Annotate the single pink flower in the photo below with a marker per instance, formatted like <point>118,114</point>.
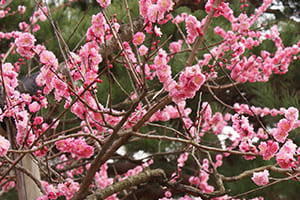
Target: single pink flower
<point>48,58</point>
<point>138,38</point>
<point>261,178</point>
<point>34,107</point>
<point>25,40</point>
<point>143,50</point>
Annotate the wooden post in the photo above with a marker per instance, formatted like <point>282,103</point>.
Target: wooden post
<point>27,189</point>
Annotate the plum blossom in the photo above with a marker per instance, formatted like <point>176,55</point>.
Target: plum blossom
<point>165,5</point>
<point>190,81</point>
<point>4,146</point>
<point>138,38</point>
<point>97,30</point>
<point>144,4</point>
<point>154,14</point>
<point>285,156</point>
<point>193,27</point>
<point>25,40</point>
<point>281,132</point>
<point>67,189</point>
<point>104,3</point>
<point>143,50</point>
<point>21,9</point>
<point>157,31</point>
<point>24,44</point>
<point>49,59</point>
<point>268,150</point>
<point>261,178</point>
<point>175,46</point>
<point>2,13</point>
<point>217,123</point>
<point>34,107</point>
<point>182,158</point>
<point>292,114</point>
<point>76,146</point>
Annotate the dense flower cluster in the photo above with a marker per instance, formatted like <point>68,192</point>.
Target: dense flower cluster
<point>66,189</point>
<point>76,146</point>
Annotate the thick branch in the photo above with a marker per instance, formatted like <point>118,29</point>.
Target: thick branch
<point>250,172</point>
<point>156,175</point>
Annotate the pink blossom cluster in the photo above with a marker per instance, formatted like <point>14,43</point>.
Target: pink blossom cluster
<point>9,76</point>
<point>246,145</point>
<point>97,30</point>
<point>190,81</point>
<point>223,9</point>
<point>49,79</point>
<point>171,112</point>
<point>259,68</point>
<point>268,149</point>
<point>25,44</point>
<point>261,178</point>
<point>181,160</point>
<point>285,125</point>
<point>21,9</point>
<point>66,189</point>
<point>241,38</point>
<point>202,179</point>
<point>163,71</point>
<point>6,184</point>
<point>138,169</point>
<point>17,105</point>
<point>149,71</point>
<point>260,10</point>
<point>219,160</point>
<point>193,27</point>
<point>245,109</point>
<point>103,180</point>
<point>94,118</point>
<point>175,46</point>
<point>155,10</point>
<point>77,147</point>
<point>143,50</point>
<point>89,58</point>
<point>8,11</point>
<point>241,125</point>
<point>290,122</point>
<point>4,146</point>
<point>23,129</point>
<point>39,15</point>
<point>285,156</point>
<point>129,53</point>
<point>215,122</point>
<point>102,177</point>
<point>180,163</point>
